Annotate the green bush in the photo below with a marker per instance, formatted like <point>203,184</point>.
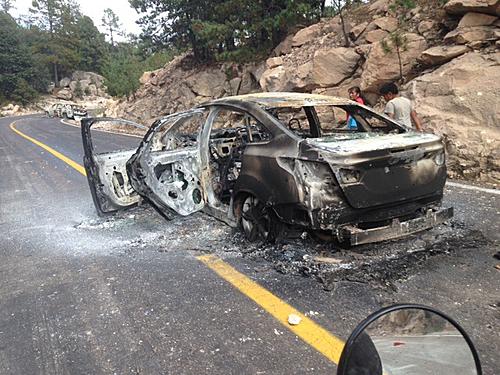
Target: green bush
<point>78,90</point>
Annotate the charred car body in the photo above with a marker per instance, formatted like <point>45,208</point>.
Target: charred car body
<point>274,160</point>
<point>65,110</point>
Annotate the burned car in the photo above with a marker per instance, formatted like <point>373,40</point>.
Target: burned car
<point>66,110</point>
<point>269,162</point>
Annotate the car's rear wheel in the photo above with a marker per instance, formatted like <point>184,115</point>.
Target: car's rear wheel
<point>257,221</point>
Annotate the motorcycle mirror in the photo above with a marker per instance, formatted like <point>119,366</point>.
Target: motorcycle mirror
<point>410,340</point>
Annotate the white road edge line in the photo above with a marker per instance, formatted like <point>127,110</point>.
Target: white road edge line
<point>101,130</point>
<point>471,187</point>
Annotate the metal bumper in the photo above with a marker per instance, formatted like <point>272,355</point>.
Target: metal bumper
<point>396,229</point>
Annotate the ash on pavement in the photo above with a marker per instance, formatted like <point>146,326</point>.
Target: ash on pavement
<point>379,264</point>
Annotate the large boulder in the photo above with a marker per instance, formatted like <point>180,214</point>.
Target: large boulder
<point>94,78</point>
<point>333,65</point>
<point>389,24</point>
<point>84,83</point>
<point>382,66</point>
<point>477,19</point>
<point>379,6</point>
<point>285,47</point>
<point>306,35</point>
<point>460,101</point>
<point>480,6</point>
<point>274,79</point>
<point>283,78</point>
<point>64,82</point>
<point>65,94</point>
<point>248,83</point>
<point>425,26</point>
<point>92,90</point>
<point>302,79</point>
<point>375,35</point>
<point>146,77</point>
<point>50,87</point>
<point>72,85</point>
<point>357,30</point>
<point>273,62</point>
<point>208,83</point>
<point>464,35</point>
<point>440,54</point>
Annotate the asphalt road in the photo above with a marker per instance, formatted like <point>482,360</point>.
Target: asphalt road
<point>84,295</point>
<point>425,354</point>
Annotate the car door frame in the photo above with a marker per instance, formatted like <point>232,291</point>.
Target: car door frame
<point>184,165</point>
<point>105,201</point>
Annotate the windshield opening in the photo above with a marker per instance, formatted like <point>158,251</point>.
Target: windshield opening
<point>324,120</point>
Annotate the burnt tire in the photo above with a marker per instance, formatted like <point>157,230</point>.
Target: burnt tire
<point>257,221</point>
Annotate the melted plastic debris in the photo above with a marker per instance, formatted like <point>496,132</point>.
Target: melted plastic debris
<point>379,264</point>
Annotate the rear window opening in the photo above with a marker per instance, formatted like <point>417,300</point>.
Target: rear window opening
<point>325,120</point>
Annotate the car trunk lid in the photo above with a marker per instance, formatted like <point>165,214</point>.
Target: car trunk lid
<point>377,169</point>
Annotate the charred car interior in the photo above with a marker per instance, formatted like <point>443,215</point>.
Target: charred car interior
<point>275,162</point>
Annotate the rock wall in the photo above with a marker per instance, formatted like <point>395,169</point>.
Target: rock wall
<point>461,101</point>
<point>91,85</point>
<point>450,65</point>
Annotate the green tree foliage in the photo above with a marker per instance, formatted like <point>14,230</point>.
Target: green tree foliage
<point>58,19</point>
<point>92,47</point>
<point>112,24</point>
<point>19,72</point>
<point>397,41</point>
<point>78,89</point>
<point>126,64</point>
<point>223,29</point>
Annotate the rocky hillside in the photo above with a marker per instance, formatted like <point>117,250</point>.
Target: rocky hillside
<point>80,85</point>
<point>450,64</point>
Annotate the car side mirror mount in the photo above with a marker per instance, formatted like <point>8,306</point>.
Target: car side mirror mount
<point>411,340</point>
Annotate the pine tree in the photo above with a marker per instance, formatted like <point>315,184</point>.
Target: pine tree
<point>112,24</point>
<point>223,29</point>
<point>19,72</point>
<point>91,45</point>
<point>6,5</point>
<point>51,16</point>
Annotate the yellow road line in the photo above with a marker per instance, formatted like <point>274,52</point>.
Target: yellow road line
<point>57,154</point>
<point>309,331</point>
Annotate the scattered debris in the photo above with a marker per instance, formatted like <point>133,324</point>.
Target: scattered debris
<point>329,260</point>
<point>294,319</point>
<point>380,265</point>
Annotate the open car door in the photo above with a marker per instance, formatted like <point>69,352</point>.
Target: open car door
<point>166,168</point>
<point>106,171</point>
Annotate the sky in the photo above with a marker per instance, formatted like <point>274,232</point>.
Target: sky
<point>95,9</point>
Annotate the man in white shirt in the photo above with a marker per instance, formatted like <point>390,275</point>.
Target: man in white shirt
<point>398,107</point>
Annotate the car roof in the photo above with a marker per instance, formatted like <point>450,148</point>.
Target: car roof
<point>283,99</point>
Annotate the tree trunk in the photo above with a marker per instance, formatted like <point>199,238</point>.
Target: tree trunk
<point>400,64</point>
<point>347,42</point>
<point>111,36</point>
<point>56,75</point>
